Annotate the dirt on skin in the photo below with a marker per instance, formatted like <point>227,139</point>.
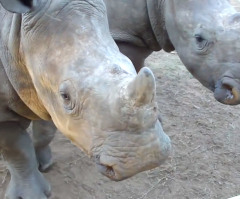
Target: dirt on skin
<point>205,162</point>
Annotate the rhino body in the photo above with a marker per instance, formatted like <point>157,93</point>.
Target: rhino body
<point>58,62</point>
<point>205,34</point>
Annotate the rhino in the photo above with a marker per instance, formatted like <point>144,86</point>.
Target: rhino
<point>205,35</point>
<point>59,63</point>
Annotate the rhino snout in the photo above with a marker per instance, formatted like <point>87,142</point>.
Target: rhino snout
<point>137,153</point>
<point>227,91</point>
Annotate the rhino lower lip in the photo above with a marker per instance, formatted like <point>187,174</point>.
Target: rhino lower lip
<point>107,171</point>
<point>230,95</point>
<point>227,95</point>
<point>232,92</point>
<point>227,90</point>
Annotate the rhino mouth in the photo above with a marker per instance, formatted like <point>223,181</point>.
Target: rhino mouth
<point>227,91</point>
<point>106,170</point>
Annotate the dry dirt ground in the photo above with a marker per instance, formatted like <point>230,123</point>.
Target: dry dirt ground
<point>205,162</point>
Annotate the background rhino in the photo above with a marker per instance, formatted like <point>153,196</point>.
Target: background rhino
<point>58,61</point>
<point>205,35</point>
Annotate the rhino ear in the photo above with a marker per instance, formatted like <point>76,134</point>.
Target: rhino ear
<point>234,19</point>
<point>18,6</point>
<point>143,88</point>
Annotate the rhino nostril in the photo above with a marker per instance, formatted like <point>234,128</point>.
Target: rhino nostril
<point>226,86</point>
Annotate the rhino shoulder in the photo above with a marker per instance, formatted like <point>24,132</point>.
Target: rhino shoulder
<point>11,105</point>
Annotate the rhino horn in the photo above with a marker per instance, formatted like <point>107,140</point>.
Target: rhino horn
<point>143,87</point>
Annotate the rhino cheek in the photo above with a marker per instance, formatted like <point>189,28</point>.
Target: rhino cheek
<point>77,131</point>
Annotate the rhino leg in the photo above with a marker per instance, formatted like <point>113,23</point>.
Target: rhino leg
<point>26,182</point>
<point>43,133</point>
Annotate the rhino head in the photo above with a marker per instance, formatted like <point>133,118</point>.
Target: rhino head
<point>206,35</point>
<point>88,88</point>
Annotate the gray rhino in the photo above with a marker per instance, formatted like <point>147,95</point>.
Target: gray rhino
<point>59,62</point>
<point>205,34</point>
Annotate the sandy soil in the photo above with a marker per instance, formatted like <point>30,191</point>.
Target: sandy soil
<point>205,162</point>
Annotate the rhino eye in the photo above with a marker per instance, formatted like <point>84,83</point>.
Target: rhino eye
<point>199,38</point>
<point>68,103</point>
<point>65,96</point>
<point>201,42</point>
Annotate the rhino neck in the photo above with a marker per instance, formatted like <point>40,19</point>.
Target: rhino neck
<point>156,16</point>
<point>17,72</point>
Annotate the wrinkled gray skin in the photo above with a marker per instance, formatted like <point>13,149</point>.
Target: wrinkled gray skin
<point>205,34</point>
<point>58,62</point>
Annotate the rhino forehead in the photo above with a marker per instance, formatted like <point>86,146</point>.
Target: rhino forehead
<point>60,10</point>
